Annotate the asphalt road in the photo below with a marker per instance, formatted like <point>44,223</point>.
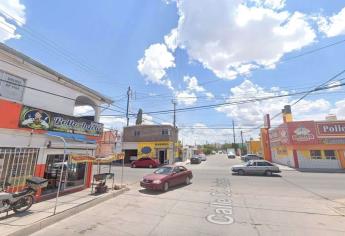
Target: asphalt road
<point>219,203</point>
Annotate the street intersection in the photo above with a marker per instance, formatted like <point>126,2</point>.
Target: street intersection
<point>219,203</point>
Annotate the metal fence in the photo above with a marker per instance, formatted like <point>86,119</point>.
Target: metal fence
<point>16,165</point>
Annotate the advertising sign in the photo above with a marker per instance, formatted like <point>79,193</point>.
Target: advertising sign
<point>11,87</point>
<point>333,129</point>
<point>34,118</point>
<point>303,132</point>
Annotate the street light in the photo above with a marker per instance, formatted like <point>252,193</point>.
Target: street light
<point>62,169</point>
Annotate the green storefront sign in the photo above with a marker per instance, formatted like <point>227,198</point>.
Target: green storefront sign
<point>35,118</point>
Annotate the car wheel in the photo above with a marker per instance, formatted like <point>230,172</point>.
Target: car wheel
<point>187,181</point>
<point>166,186</point>
<point>134,166</point>
<point>241,172</point>
<point>268,173</point>
<point>150,166</point>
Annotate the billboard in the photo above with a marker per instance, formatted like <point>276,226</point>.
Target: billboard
<point>39,119</point>
<point>331,129</point>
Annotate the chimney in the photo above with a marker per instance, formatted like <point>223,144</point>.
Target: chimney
<point>287,116</point>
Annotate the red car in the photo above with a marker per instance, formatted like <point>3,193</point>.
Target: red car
<point>145,162</point>
<point>167,176</point>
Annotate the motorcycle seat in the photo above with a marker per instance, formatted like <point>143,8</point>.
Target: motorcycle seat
<point>21,193</point>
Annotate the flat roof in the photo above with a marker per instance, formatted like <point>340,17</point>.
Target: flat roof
<point>53,72</point>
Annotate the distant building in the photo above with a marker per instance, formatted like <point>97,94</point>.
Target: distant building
<point>308,144</point>
<point>254,147</point>
<point>108,143</point>
<point>154,141</point>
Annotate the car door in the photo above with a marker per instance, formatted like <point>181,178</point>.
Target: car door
<point>261,167</point>
<point>175,177</point>
<point>182,175</point>
<point>251,167</point>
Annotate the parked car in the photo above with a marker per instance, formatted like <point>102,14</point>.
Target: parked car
<point>249,157</point>
<point>167,176</point>
<point>203,157</point>
<point>256,167</point>
<point>146,162</point>
<point>195,160</point>
<point>231,155</point>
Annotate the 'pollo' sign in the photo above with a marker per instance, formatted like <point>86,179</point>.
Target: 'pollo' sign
<point>335,128</point>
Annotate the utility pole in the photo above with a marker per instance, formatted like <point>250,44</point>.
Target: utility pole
<point>242,141</point>
<point>127,111</point>
<point>233,131</point>
<point>127,116</point>
<point>175,131</point>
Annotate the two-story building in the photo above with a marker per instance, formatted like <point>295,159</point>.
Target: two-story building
<point>37,125</point>
<point>154,141</point>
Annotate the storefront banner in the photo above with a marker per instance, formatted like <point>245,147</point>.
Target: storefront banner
<point>303,132</point>
<point>34,118</point>
<point>76,158</point>
<point>279,136</point>
<point>335,128</point>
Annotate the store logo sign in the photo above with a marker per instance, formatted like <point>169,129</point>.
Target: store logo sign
<point>146,150</point>
<point>302,134</point>
<point>331,128</point>
<point>35,119</point>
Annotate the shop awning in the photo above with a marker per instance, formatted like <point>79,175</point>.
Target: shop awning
<point>78,158</point>
<point>75,137</point>
<point>110,158</point>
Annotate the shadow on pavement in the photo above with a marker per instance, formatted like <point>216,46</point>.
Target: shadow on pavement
<point>159,192</point>
<point>12,214</point>
<point>254,175</point>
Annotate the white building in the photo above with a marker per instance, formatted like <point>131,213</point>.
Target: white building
<point>36,105</point>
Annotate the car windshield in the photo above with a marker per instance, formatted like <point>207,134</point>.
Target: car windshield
<point>164,170</point>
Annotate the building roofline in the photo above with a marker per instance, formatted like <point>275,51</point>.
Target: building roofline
<point>53,72</point>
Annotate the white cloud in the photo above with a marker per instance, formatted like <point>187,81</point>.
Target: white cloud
<point>192,84</point>
<point>83,111</point>
<point>200,133</point>
<point>186,97</point>
<point>339,109</point>
<point>209,95</point>
<point>154,64</point>
<point>233,36</point>
<point>251,114</point>
<point>334,25</point>
<point>189,95</point>
<point>274,4</point>
<point>113,122</point>
<point>147,119</point>
<point>171,40</point>
<point>12,14</point>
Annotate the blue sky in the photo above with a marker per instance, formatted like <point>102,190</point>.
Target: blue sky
<point>101,45</point>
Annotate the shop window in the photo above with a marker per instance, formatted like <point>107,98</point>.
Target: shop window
<point>16,165</point>
<point>315,154</point>
<point>137,133</point>
<point>330,155</point>
<point>73,174</point>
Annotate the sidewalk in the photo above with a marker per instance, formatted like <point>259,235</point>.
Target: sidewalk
<point>182,163</point>
<point>285,168</point>
<point>40,215</point>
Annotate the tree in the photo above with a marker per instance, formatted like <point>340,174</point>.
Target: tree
<point>139,120</point>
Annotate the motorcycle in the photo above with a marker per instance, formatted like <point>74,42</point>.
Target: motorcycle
<point>20,201</point>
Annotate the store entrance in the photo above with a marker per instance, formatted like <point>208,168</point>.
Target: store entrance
<point>162,156</point>
<point>72,176</point>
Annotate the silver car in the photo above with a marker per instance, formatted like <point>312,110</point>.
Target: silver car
<point>256,167</point>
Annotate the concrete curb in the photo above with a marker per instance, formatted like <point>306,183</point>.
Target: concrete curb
<point>30,229</point>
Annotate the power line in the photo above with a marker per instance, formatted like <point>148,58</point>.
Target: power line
<point>284,60</point>
<point>54,47</point>
<point>53,94</point>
